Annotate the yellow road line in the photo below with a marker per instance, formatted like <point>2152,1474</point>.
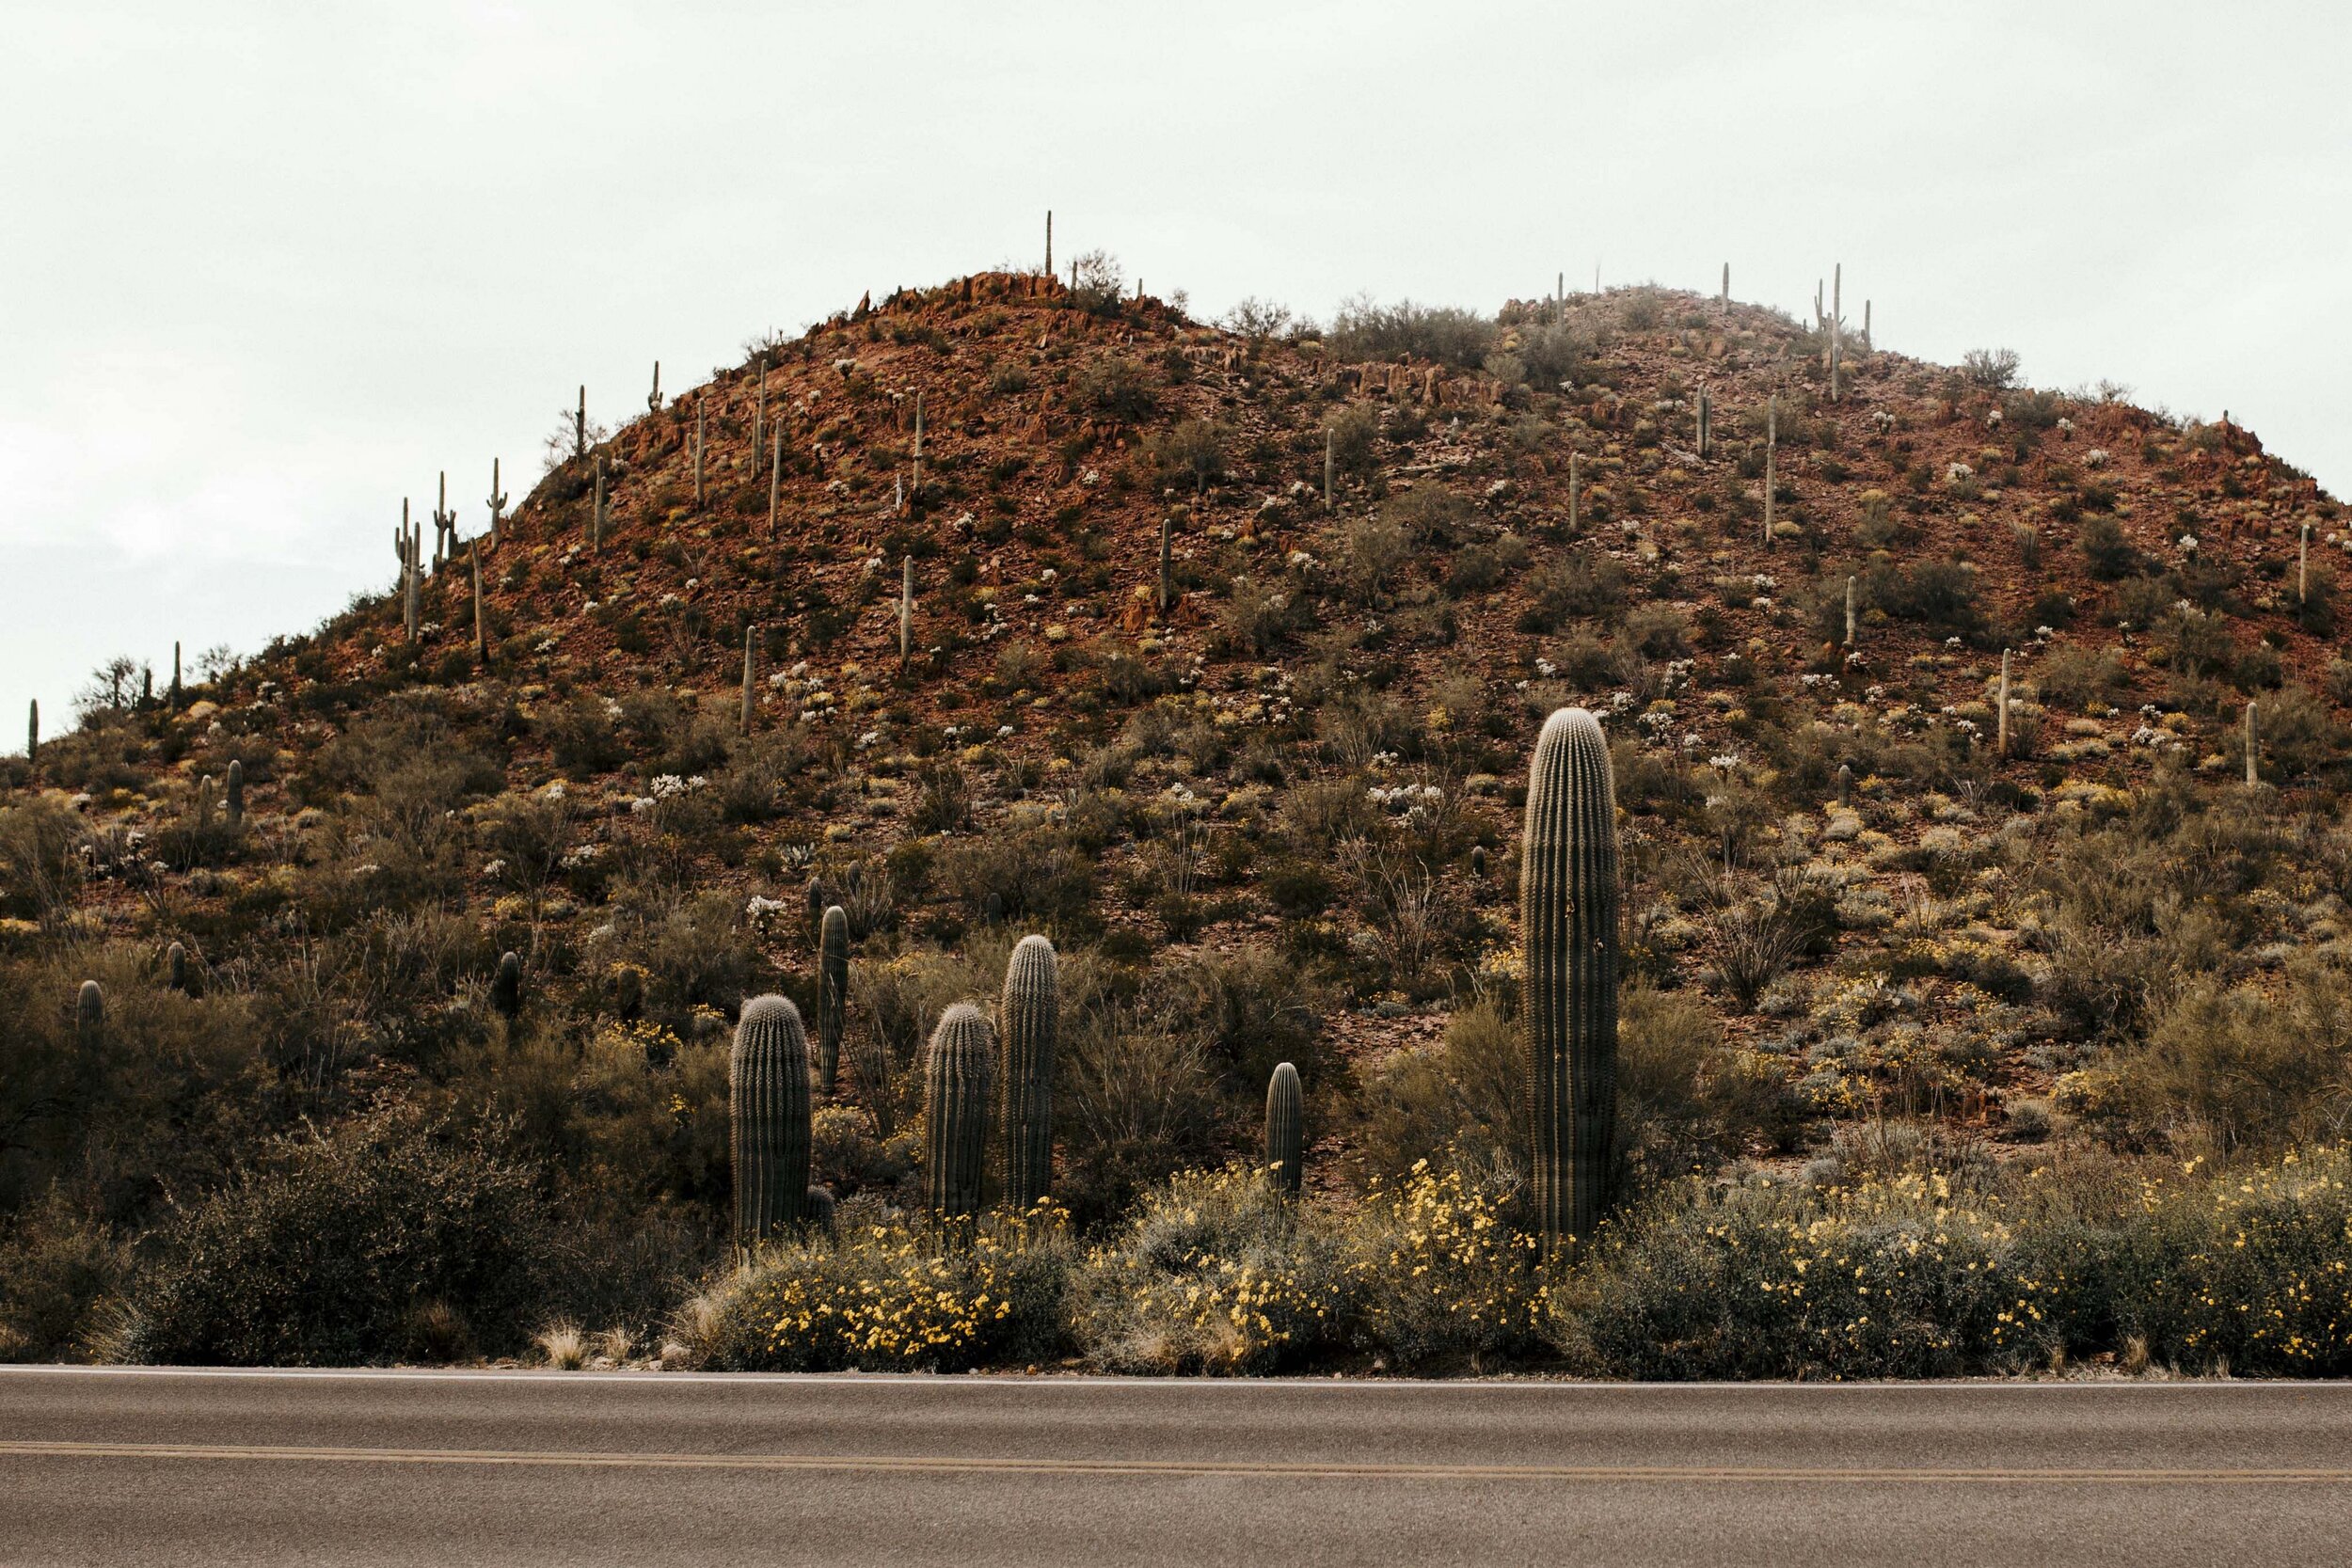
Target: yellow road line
<point>1183,1467</point>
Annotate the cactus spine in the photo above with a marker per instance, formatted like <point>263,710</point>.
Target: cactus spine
<point>906,610</point>
<point>768,1114</point>
<point>1029,1012</point>
<point>1285,1140</point>
<point>232,794</point>
<point>1850,622</point>
<point>1569,921</point>
<point>90,1016</point>
<point>496,501</point>
<point>956,1095</point>
<point>2001,747</point>
<point>833,993</point>
<point>1167,530</point>
<point>506,986</point>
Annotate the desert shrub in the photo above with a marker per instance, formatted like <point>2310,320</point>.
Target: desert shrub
<point>1255,619</point>
<point>1353,430</point>
<point>1765,1280</point>
<point>1939,594</point>
<point>1036,872</point>
<point>1460,1103</point>
<point>2072,680</point>
<point>1376,549</point>
<point>1216,1273</point>
<point>1251,1009</point>
<point>1136,1101</point>
<point>1580,584</point>
<point>1991,368</point>
<point>338,1250</point>
<point>1190,453</point>
<point>897,1296</point>
<point>2299,734</point>
<point>1114,389</point>
<point>1362,328</point>
<point>1429,514</point>
<point>56,1265</point>
<point>583,737</point>
<point>2226,1069</point>
<point>2111,555</point>
<point>1444,1272</point>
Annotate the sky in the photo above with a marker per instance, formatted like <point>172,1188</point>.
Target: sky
<point>266,269</point>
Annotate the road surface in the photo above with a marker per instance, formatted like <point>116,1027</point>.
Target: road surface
<point>121,1466</point>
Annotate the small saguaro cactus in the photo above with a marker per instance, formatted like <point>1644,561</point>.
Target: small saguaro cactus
<point>1049,242</point>
<point>596,511</point>
<point>580,424</point>
<point>90,1016</point>
<point>956,1097</point>
<point>204,803</point>
<point>1772,460</point>
<point>833,992</point>
<point>760,417</point>
<point>1575,460</point>
<point>775,481</point>
<point>906,610</point>
<point>767,1116</point>
<point>496,503</point>
<point>175,649</point>
<point>1568,922</point>
<point>2001,746</point>
<point>1029,1014</point>
<point>1704,410</point>
<point>653,401</point>
<point>232,793</point>
<point>2303,565</point>
<point>404,546</point>
<point>1849,621</point>
<point>1285,1136</point>
<point>32,734</point>
<point>481,615</point>
<point>700,404</point>
<point>1865,327</point>
<point>918,449</point>
<point>2252,750</point>
<point>1330,461</point>
<point>444,528</point>
<point>1724,300</point>
<point>751,670</point>
<point>506,986</point>
<point>1167,530</point>
<point>176,967</point>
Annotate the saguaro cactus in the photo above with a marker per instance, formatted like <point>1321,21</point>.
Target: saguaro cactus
<point>480,617</point>
<point>232,793</point>
<point>775,481</point>
<point>833,992</point>
<point>1029,1013</point>
<point>1703,430</point>
<point>90,1016</point>
<point>2303,565</point>
<point>956,1096</point>
<point>1772,461</point>
<point>506,986</point>
<point>405,545</point>
<point>2001,747</point>
<point>596,512</point>
<point>1285,1133</point>
<point>768,1117</point>
<point>1330,457</point>
<point>580,424</point>
<point>496,501</point>
<point>176,969</point>
<point>1724,300</point>
<point>1569,921</point>
<point>760,417</point>
<point>1167,530</point>
<point>698,449</point>
<point>1049,242</point>
<point>751,666</point>
<point>444,527</point>
<point>918,449</point>
<point>2252,777</point>
<point>32,734</point>
<point>653,401</point>
<point>1575,459</point>
<point>1849,621</point>
<point>906,610</point>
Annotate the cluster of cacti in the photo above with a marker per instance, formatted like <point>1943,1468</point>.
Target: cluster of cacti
<point>507,985</point>
<point>1029,1014</point>
<point>1285,1135</point>
<point>833,992</point>
<point>497,502</point>
<point>90,1016</point>
<point>768,1117</point>
<point>957,1090</point>
<point>1568,918</point>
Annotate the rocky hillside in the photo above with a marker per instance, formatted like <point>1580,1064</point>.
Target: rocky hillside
<point>1221,658</point>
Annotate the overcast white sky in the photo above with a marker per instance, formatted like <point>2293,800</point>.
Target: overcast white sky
<point>267,268</point>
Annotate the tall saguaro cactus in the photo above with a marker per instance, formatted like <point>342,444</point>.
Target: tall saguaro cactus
<point>917,494</point>
<point>1285,1131</point>
<point>580,424</point>
<point>906,610</point>
<point>1029,1013</point>
<point>596,513</point>
<point>497,503</point>
<point>1569,921</point>
<point>833,993</point>
<point>1705,409</point>
<point>32,734</point>
<point>444,528</point>
<point>1849,620</point>
<point>1723,300</point>
<point>760,417</point>
<point>956,1096</point>
<point>507,985</point>
<point>1772,461</point>
<point>407,545</point>
<point>767,1114</point>
<point>653,401</point>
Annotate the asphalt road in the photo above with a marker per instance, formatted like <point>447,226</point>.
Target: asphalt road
<point>184,1468</point>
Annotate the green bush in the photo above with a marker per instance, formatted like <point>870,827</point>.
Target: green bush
<point>347,1247</point>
